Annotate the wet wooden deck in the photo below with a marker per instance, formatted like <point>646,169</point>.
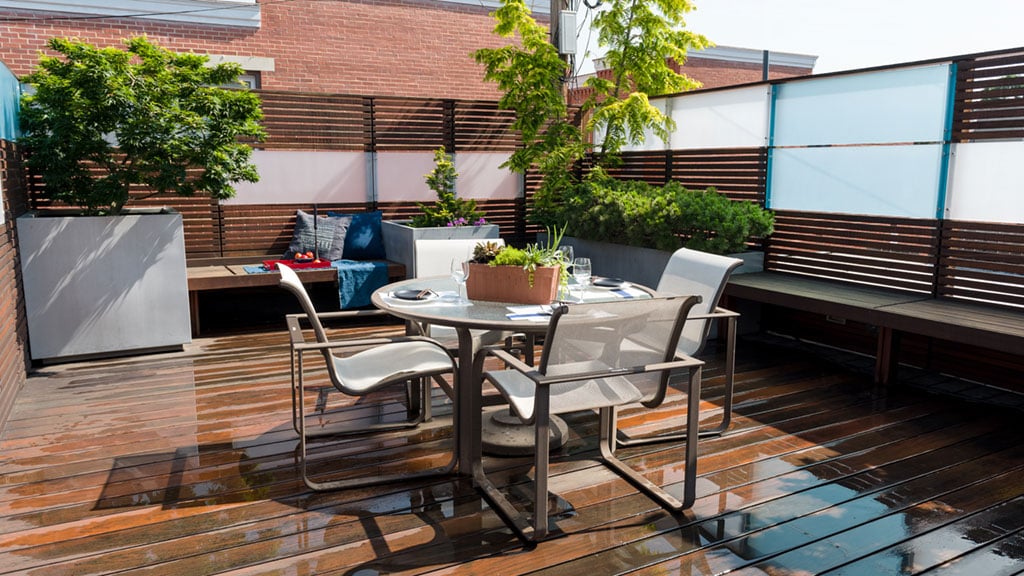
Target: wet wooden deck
<point>183,464</point>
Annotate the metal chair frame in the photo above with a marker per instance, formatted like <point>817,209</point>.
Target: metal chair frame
<point>541,420</point>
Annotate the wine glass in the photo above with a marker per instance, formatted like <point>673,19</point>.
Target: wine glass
<point>460,272</point>
<point>581,272</point>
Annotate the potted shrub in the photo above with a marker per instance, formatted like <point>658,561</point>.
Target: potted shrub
<point>630,228</point>
<point>98,124</point>
<point>448,218</point>
<point>529,275</point>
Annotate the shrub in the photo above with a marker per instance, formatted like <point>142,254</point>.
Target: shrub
<point>449,210</point>
<point>665,218</point>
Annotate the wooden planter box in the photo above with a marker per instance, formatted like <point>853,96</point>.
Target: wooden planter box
<point>512,284</point>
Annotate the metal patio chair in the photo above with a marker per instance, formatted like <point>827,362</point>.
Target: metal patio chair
<point>581,368</point>
<point>695,272</point>
<point>369,365</point>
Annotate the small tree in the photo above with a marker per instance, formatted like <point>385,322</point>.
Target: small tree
<point>103,120</point>
<point>640,37</point>
<point>449,210</point>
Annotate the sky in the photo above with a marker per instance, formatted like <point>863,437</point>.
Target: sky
<point>847,34</point>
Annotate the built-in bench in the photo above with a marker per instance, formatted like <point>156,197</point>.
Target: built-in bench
<point>891,312</point>
<point>210,274</point>
<point>247,235</point>
<point>951,281</point>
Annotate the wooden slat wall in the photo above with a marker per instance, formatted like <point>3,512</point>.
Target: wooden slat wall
<point>300,121</point>
<point>897,253</point>
<point>982,261</point>
<point>989,100</point>
<point>261,229</point>
<point>14,360</point>
<point>482,127</point>
<point>739,173</point>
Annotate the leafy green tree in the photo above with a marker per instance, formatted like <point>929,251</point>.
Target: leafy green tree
<point>639,36</point>
<point>102,120</point>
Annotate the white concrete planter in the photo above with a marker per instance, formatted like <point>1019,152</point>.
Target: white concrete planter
<point>641,265</point>
<point>400,239</point>
<point>104,285</point>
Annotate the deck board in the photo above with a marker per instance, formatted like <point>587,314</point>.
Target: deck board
<point>183,463</point>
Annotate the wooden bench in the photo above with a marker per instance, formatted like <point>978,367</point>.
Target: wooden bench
<point>207,274</point>
<point>892,312</point>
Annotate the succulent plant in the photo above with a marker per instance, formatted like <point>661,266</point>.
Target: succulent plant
<point>485,252</point>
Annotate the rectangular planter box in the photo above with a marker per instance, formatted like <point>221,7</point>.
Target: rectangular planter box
<point>641,265</point>
<point>400,239</point>
<point>512,284</point>
<point>104,285</point>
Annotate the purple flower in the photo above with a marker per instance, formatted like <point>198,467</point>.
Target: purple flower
<point>480,222</point>
<point>450,224</point>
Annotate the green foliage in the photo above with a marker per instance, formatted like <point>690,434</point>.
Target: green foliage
<point>640,36</point>
<point>530,258</point>
<point>449,210</point>
<point>665,218</point>
<point>103,120</point>
<point>530,75</point>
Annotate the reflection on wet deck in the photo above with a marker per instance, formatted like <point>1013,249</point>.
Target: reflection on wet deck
<point>184,464</point>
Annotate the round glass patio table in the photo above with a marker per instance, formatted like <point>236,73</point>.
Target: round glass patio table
<point>464,318</point>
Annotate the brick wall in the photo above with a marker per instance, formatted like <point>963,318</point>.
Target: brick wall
<point>371,47</point>
<point>13,327</point>
<point>715,73</point>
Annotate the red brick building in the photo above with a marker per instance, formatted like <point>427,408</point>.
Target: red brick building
<point>370,47</point>
<point>728,66</point>
<point>418,48</point>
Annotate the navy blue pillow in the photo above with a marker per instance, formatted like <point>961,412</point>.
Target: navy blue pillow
<point>363,240</point>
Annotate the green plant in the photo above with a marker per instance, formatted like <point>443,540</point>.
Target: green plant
<point>530,258</point>
<point>640,38</point>
<point>102,121</point>
<point>449,210</point>
<point>665,218</point>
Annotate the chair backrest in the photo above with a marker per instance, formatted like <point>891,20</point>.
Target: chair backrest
<point>619,334</point>
<point>434,257</point>
<point>290,282</point>
<point>695,272</point>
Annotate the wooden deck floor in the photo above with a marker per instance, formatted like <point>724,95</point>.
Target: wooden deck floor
<point>182,464</point>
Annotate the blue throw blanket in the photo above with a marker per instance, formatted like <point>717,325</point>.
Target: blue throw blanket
<point>356,280</point>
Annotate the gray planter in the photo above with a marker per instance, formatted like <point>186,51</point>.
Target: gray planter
<point>400,239</point>
<point>641,265</point>
<point>104,285</point>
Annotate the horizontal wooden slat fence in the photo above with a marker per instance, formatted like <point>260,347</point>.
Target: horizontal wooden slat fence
<point>982,261</point>
<point>989,98</point>
<point>898,253</point>
<point>739,173</point>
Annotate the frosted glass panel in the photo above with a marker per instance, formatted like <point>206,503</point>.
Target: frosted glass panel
<point>875,180</point>
<point>721,119</point>
<point>889,106</point>
<point>987,182</point>
<point>304,177</point>
<point>482,177</point>
<point>651,142</point>
<point>401,176</point>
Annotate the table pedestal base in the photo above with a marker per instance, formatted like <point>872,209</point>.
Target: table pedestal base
<point>503,434</point>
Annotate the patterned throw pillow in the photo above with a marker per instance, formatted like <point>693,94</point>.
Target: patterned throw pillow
<point>326,239</point>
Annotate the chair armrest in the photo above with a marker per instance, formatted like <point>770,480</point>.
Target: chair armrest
<point>681,361</point>
<point>340,314</point>
<point>363,343</point>
<point>719,312</point>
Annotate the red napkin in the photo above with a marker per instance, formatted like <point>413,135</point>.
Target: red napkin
<point>272,264</point>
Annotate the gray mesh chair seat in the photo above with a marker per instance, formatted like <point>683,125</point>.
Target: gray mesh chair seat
<point>358,367</point>
<point>582,367</point>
